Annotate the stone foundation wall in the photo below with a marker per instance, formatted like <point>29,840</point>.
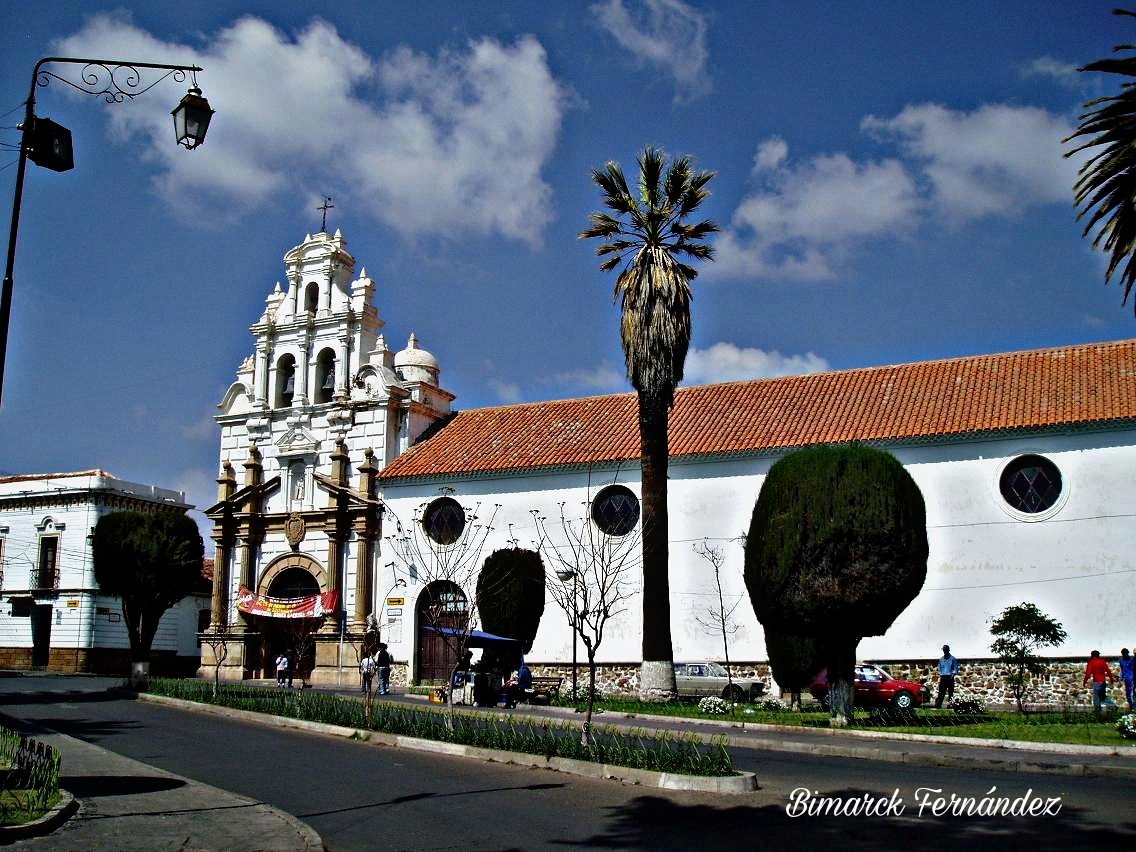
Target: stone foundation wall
<point>102,661</point>
<point>623,678</point>
<point>1060,686</point>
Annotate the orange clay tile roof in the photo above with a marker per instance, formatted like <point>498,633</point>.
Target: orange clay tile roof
<point>972,396</point>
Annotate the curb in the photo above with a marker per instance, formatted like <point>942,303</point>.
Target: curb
<point>64,809</point>
<point>743,782</point>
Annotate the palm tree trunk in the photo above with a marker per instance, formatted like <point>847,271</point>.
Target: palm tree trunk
<point>656,677</point>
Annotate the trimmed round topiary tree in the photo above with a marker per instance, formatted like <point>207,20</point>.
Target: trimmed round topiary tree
<point>794,661</point>
<point>837,549</point>
<point>510,594</point>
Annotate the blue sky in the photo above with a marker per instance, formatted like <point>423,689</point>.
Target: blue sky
<point>889,184</point>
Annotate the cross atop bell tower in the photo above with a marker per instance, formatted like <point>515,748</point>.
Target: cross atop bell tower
<point>327,205</point>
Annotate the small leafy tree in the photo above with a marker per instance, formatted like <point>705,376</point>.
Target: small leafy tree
<point>794,661</point>
<point>1020,631</point>
<point>837,549</point>
<point>510,594</point>
<point>151,561</point>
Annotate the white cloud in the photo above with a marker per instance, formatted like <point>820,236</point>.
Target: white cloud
<point>996,160</point>
<point>205,428</point>
<point>727,362</point>
<point>770,155</point>
<point>507,392</point>
<point>806,217</point>
<point>605,378</point>
<point>1063,73</point>
<point>289,105</point>
<point>666,34</point>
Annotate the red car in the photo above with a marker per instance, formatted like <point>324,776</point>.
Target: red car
<point>876,688</point>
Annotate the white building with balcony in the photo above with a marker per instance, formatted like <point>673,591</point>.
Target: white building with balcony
<point>52,615</point>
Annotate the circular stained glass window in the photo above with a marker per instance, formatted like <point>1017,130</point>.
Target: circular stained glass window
<point>444,520</point>
<point>616,510</point>
<point>1030,484</point>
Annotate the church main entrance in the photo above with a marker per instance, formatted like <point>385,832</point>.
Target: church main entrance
<point>287,615</point>
<point>290,636</point>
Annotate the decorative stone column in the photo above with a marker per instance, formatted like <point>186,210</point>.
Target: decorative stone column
<point>252,534</point>
<point>223,539</point>
<point>367,529</point>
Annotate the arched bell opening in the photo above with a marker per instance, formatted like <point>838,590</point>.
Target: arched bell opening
<point>285,381</point>
<point>325,376</point>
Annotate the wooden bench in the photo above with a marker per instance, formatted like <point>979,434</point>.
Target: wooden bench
<point>544,690</point>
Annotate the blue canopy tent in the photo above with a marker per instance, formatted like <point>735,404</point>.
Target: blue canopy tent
<point>480,639</point>
<point>483,693</point>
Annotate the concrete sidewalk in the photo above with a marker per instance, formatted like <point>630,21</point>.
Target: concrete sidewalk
<point>126,806</point>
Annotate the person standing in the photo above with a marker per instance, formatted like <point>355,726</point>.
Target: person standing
<point>1100,674</point>
<point>367,669</point>
<point>383,664</point>
<point>948,669</point>
<point>1127,667</point>
<point>281,669</point>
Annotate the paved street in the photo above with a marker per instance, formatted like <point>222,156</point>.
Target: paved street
<point>364,796</point>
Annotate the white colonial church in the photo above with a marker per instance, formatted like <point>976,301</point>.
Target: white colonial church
<point>1025,460</point>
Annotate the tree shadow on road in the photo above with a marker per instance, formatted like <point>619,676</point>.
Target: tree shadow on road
<point>653,822</point>
<point>96,786</point>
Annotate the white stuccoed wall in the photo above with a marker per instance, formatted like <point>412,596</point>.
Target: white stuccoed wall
<point>1077,562</point>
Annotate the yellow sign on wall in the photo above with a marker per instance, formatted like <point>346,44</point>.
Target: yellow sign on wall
<point>396,601</point>
<point>72,604</point>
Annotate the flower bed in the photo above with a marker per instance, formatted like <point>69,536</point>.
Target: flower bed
<point>684,754</point>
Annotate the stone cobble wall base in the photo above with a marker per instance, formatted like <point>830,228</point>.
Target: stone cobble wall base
<point>1059,688</point>
<point>103,661</point>
<point>623,678</point>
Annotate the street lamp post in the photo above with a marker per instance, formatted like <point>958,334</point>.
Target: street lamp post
<point>48,144</point>
<point>566,575</point>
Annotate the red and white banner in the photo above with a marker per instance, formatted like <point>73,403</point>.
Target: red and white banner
<point>315,606</point>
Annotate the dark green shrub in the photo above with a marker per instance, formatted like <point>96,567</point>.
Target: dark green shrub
<point>837,549</point>
<point>510,594</point>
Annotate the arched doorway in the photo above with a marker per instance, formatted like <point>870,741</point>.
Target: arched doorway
<point>290,578</point>
<point>441,604</point>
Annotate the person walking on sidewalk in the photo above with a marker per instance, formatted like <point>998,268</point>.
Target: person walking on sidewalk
<point>948,669</point>
<point>1101,675</point>
<point>383,664</point>
<point>281,669</point>
<point>1127,665</point>
<point>367,669</point>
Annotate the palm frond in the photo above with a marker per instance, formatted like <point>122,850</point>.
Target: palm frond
<point>1105,189</point>
<point>618,245</point>
<point>694,232</point>
<point>650,171</point>
<point>677,182</point>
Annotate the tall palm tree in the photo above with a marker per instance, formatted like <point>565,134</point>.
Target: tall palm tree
<point>650,230</point>
<point>1105,190</point>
